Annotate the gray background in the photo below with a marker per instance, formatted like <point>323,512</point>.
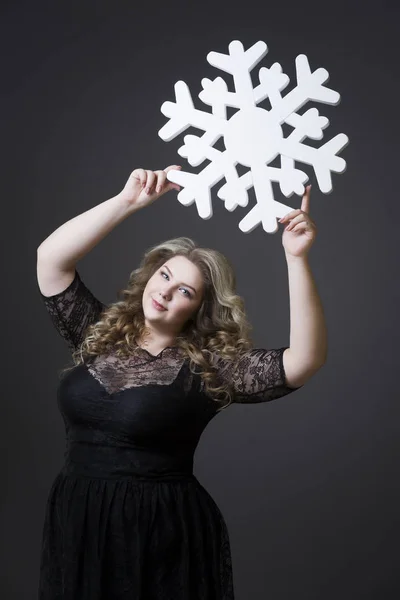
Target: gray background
<point>308,484</point>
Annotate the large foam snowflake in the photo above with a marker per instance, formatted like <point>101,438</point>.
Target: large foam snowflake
<point>253,136</point>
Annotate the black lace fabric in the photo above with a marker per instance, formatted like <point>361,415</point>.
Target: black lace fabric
<point>126,518</point>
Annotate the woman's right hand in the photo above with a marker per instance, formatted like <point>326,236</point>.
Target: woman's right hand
<point>144,187</point>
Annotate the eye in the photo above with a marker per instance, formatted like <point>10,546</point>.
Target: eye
<point>187,292</point>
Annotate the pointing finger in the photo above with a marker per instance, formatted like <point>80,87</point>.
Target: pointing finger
<point>305,202</point>
<point>173,168</point>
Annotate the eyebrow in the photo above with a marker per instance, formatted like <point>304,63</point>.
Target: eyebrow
<point>189,286</point>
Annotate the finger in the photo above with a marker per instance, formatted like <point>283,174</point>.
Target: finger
<point>151,178</point>
<point>140,174</point>
<point>172,168</point>
<point>300,227</point>
<point>295,221</point>
<point>171,185</point>
<point>161,178</point>
<point>305,202</point>
<point>290,215</point>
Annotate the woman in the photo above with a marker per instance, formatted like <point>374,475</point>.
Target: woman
<point>126,518</point>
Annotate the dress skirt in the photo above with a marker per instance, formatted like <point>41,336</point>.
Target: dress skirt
<point>132,538</point>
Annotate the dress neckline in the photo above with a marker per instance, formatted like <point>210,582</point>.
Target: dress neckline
<point>155,355</point>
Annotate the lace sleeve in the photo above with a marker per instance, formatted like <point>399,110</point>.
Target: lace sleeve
<point>258,376</point>
<point>73,310</point>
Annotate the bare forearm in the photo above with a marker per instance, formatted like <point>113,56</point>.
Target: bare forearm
<point>75,238</point>
<point>308,332</point>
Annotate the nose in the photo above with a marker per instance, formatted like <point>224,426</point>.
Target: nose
<point>165,294</point>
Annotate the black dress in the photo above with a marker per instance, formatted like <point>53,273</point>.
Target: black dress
<point>126,518</point>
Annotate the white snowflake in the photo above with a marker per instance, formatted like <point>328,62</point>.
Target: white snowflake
<point>253,136</point>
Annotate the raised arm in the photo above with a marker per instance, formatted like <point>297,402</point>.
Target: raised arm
<point>58,254</point>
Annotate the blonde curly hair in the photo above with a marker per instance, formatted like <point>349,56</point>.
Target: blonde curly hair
<point>220,324</point>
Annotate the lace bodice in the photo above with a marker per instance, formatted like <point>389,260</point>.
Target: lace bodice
<point>258,376</point>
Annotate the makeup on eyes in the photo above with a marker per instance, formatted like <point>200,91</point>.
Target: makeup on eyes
<point>189,286</point>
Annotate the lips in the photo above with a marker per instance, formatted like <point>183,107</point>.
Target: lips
<point>158,305</point>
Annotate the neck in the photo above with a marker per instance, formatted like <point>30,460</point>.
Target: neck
<point>155,343</point>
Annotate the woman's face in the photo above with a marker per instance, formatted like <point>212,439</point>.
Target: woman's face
<point>178,286</point>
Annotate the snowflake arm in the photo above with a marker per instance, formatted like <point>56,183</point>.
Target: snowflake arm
<point>182,115</point>
<point>323,159</point>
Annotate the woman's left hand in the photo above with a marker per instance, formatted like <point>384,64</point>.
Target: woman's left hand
<point>300,232</point>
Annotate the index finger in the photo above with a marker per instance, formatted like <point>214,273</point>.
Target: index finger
<point>305,202</point>
<point>172,168</point>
